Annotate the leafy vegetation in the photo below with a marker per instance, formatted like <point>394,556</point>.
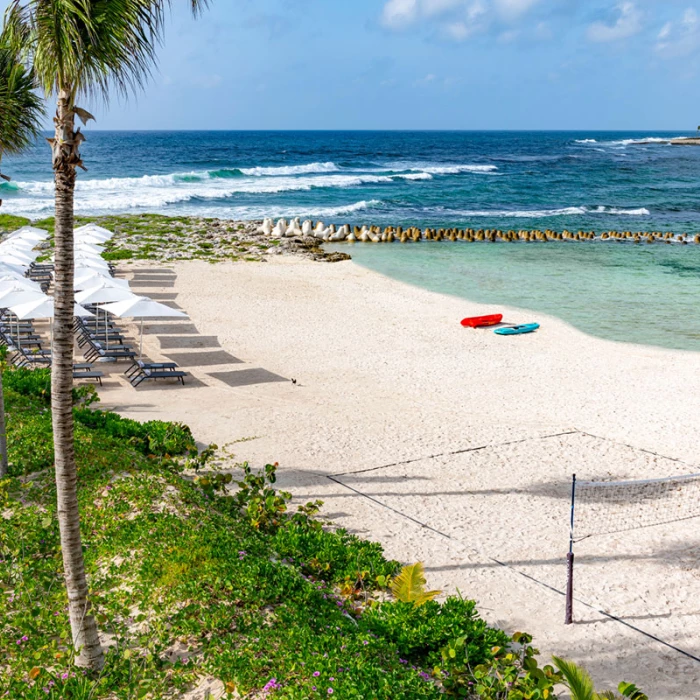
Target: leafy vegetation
<point>8,222</point>
<point>191,582</point>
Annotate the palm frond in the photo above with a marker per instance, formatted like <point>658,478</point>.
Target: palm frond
<point>409,586</point>
<point>577,679</point>
<point>21,108</point>
<point>89,47</point>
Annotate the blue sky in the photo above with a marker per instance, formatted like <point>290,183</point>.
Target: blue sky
<point>423,64</point>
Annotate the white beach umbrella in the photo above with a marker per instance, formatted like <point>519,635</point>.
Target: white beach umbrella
<point>142,307</point>
<point>28,256</point>
<point>81,252</point>
<point>93,230</point>
<point>92,277</point>
<point>43,308</point>
<point>20,243</point>
<point>8,282</point>
<point>87,238</point>
<point>17,294</point>
<point>8,272</point>
<point>30,233</point>
<point>17,261</point>
<point>14,267</point>
<point>103,293</point>
<point>89,247</point>
<point>94,263</point>
<point>81,271</point>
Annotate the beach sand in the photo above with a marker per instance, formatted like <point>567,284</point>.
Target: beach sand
<point>450,446</point>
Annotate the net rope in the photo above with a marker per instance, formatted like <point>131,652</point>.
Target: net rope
<point>607,507</point>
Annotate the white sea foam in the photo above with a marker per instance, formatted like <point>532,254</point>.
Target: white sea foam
<point>414,176</point>
<point>457,169</point>
<point>642,141</point>
<point>260,211</point>
<point>641,211</point>
<point>565,211</point>
<point>585,141</point>
<point>154,192</point>
<point>291,170</point>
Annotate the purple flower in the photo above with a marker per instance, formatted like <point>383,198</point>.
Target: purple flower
<point>331,678</point>
<point>316,674</point>
<point>313,687</point>
<point>330,691</point>
<point>271,685</point>
<point>64,676</point>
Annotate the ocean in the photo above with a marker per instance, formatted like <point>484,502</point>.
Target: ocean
<point>510,180</point>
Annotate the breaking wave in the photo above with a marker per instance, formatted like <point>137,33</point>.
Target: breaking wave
<point>565,211</point>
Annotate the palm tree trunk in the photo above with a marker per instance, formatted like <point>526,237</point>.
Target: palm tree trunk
<point>65,159</point>
<point>3,434</point>
<point>4,467</point>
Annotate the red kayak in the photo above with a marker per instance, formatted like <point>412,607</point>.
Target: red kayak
<point>482,321</point>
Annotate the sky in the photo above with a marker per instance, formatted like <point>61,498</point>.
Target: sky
<point>422,64</point>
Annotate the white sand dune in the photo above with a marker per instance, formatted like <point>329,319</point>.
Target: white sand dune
<point>391,386</point>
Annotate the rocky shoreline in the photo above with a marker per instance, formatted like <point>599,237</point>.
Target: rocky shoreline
<point>170,239</point>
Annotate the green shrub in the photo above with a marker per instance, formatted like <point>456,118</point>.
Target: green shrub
<point>34,383</point>
<point>511,671</point>
<point>421,632</point>
<point>151,438</point>
<point>336,555</point>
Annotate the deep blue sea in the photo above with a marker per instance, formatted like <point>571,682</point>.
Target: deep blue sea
<point>576,180</point>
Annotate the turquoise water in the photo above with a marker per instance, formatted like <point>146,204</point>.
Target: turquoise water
<point>509,180</point>
<point>631,293</point>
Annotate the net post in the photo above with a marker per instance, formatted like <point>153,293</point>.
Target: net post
<point>570,560</point>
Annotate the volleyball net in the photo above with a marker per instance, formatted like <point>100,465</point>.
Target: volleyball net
<point>609,507</point>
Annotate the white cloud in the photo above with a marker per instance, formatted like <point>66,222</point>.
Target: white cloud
<point>679,38</point>
<point>399,13</point>
<point>455,19</point>
<point>628,23</point>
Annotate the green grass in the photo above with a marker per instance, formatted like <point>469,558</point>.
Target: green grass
<point>10,223</point>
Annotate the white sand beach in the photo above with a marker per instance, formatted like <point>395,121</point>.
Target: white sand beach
<point>392,398</point>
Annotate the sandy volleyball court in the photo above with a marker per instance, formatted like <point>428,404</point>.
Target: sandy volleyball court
<point>450,446</point>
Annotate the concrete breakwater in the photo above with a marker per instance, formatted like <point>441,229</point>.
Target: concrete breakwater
<point>388,234</point>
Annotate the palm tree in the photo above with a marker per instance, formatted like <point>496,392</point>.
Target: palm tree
<point>21,111</point>
<point>79,48</point>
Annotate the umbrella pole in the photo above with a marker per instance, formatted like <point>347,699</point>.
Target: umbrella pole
<point>141,347</point>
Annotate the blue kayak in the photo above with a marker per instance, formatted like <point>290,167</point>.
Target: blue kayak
<point>518,330</point>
